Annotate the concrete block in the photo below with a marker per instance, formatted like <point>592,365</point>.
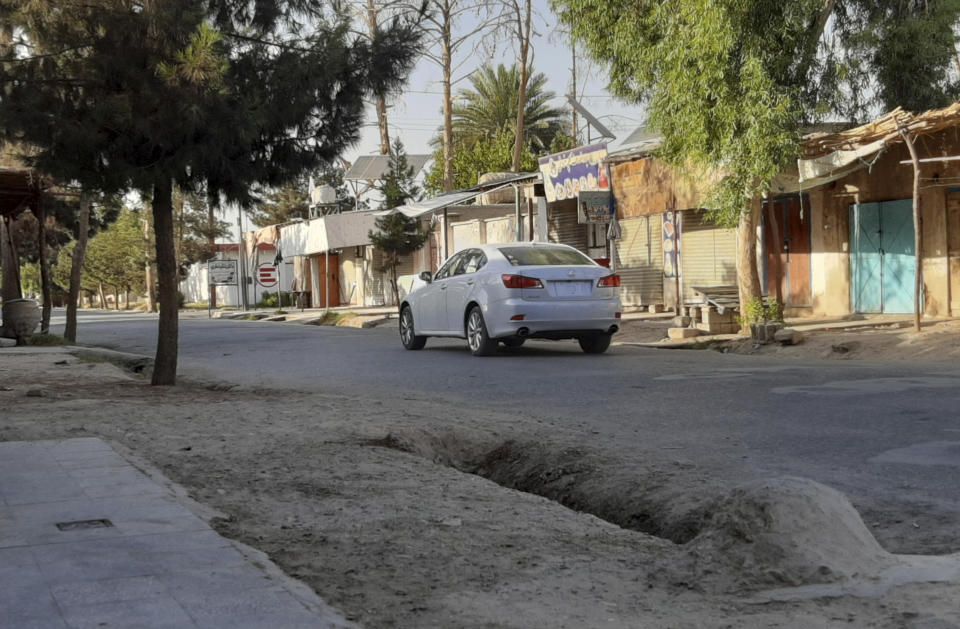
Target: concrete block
<point>680,322</point>
<point>788,336</point>
<point>683,333</point>
<point>655,308</point>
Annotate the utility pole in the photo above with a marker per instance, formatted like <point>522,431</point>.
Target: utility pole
<point>573,73</point>
<point>240,261</point>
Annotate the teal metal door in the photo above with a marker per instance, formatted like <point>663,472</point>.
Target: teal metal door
<point>882,258</point>
<point>865,258</point>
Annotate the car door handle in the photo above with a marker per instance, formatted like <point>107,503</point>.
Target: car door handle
<point>444,287</point>
<point>470,283</point>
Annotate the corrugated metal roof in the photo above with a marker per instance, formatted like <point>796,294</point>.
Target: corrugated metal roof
<point>374,167</point>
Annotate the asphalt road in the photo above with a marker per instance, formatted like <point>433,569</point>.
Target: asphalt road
<point>886,435</point>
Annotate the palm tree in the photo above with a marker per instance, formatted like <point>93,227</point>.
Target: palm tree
<point>490,106</point>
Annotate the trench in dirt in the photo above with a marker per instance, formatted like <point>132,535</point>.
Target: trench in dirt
<point>569,476</point>
<point>761,535</point>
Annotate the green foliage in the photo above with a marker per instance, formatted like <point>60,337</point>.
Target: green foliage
<point>269,300</point>
<point>904,52</point>
<point>208,94</point>
<point>398,186</point>
<point>489,106</point>
<point>488,155</point>
<point>117,256</point>
<point>722,80</point>
<point>757,310</point>
<point>397,236</point>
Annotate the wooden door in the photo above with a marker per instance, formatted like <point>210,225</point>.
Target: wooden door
<point>331,275</point>
<point>792,244</point>
<point>953,248</point>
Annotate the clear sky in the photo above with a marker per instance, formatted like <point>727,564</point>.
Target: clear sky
<point>416,115</point>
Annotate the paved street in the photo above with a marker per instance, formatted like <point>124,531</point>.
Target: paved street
<point>886,435</point>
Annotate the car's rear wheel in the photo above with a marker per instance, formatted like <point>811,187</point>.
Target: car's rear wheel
<point>595,344</point>
<point>478,340</point>
<point>513,341</point>
<point>408,334</point>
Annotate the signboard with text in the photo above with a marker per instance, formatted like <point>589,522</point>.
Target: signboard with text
<point>222,272</point>
<point>566,174</point>
<point>594,206</point>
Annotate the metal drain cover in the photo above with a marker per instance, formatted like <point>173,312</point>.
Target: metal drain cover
<point>84,524</point>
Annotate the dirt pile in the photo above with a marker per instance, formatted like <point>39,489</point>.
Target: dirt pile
<point>784,532</point>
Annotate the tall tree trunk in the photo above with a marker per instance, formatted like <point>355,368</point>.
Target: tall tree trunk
<point>776,244</point>
<point>748,278</point>
<point>165,362</point>
<point>76,269</point>
<point>116,297</point>
<point>102,296</point>
<point>373,15</point>
<point>10,261</point>
<point>44,267</point>
<point>212,243</point>
<point>447,103</point>
<point>573,91</point>
<point>149,279</point>
<point>524,28</point>
<point>917,230</point>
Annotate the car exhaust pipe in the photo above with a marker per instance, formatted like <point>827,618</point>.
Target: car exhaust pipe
<point>523,332</point>
<point>614,329</point>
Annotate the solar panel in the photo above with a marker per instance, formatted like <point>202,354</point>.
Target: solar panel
<point>374,167</point>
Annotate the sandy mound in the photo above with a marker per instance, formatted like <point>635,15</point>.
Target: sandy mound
<point>784,532</point>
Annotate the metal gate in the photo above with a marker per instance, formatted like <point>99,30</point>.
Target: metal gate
<point>640,260</point>
<point>708,253</point>
<point>883,261</point>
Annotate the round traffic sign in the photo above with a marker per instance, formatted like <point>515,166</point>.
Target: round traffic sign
<point>267,275</point>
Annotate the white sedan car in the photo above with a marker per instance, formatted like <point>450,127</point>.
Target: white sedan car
<point>508,293</point>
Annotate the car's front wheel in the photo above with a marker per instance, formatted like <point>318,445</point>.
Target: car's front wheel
<point>478,340</point>
<point>595,344</point>
<point>408,334</point>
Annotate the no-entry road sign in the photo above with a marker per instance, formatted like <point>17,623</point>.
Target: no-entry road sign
<point>267,275</point>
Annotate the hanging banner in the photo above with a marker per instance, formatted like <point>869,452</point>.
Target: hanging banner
<point>566,174</point>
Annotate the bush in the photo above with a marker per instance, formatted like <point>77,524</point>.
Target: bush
<point>269,300</point>
<point>759,311</point>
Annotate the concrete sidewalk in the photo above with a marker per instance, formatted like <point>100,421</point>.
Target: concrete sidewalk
<point>88,540</point>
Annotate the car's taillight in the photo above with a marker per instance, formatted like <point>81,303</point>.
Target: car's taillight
<point>610,281</point>
<point>520,281</point>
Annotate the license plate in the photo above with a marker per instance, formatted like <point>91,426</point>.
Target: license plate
<point>573,289</point>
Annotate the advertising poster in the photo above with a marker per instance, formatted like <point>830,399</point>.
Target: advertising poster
<point>222,272</point>
<point>566,174</point>
<point>670,244</point>
<point>594,206</point>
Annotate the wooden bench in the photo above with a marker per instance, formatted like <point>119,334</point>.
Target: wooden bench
<point>721,297</point>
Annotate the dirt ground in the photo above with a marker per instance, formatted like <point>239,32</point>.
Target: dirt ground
<point>882,339</point>
<point>410,513</point>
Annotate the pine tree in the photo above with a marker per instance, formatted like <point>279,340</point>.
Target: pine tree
<point>218,96</point>
<point>397,236</point>
<point>398,186</point>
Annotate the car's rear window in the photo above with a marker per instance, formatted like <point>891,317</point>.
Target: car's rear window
<point>543,256</point>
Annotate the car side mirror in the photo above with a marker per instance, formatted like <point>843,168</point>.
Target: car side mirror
<point>426,276</point>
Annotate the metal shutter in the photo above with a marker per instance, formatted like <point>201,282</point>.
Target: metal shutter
<point>708,254</point>
<point>465,235</point>
<point>640,261</point>
<point>564,225</point>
